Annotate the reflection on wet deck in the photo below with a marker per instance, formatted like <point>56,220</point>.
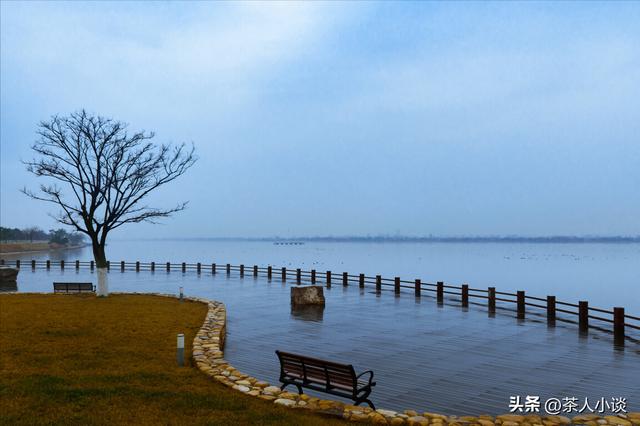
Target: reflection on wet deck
<point>425,356</point>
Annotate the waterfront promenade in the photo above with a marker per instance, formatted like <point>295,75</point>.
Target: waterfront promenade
<point>462,360</point>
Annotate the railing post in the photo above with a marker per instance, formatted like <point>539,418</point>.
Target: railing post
<point>378,284</point>
<point>298,275</point>
<point>418,287</point>
<point>551,308</point>
<point>583,315</point>
<point>122,266</point>
<point>18,264</point>
<point>492,299</point>
<point>33,264</point>
<point>168,266</point>
<point>618,325</point>
<point>2,262</point>
<point>77,264</point>
<point>396,285</point>
<point>48,264</point>
<point>345,279</point>
<point>137,266</point>
<point>465,295</point>
<point>153,266</point>
<point>242,270</point>
<point>198,268</point>
<point>328,279</point>
<point>313,276</point>
<point>62,264</point>
<point>269,272</point>
<point>255,270</point>
<point>228,268</point>
<point>213,269</point>
<point>184,267</point>
<point>284,274</point>
<point>361,280</point>
<point>521,303</point>
<point>92,265</point>
<point>440,291</point>
<point>108,265</point>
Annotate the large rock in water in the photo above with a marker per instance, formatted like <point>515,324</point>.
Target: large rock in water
<point>8,275</point>
<point>308,295</point>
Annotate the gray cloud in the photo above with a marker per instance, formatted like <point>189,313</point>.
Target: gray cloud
<point>323,118</point>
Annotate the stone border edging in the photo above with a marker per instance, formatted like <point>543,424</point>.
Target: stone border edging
<point>208,354</point>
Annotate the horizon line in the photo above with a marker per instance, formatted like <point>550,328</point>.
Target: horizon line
<point>407,238</point>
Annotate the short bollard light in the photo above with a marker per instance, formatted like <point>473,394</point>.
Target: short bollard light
<point>180,350</point>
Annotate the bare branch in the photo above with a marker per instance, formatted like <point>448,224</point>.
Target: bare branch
<point>106,172</point>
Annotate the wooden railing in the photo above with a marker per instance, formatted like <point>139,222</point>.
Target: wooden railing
<point>618,320</point>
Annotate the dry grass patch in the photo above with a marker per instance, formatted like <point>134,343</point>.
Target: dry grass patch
<point>78,359</point>
<point>24,247</point>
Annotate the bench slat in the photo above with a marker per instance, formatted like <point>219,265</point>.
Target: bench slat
<point>311,361</point>
<point>75,287</point>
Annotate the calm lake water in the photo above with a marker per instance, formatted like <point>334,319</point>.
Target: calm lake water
<point>606,275</point>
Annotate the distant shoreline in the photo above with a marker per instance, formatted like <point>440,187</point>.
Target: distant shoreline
<point>401,239</point>
<point>35,247</point>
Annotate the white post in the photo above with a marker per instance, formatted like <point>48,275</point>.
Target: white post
<point>181,294</point>
<point>180,352</point>
<point>103,282</point>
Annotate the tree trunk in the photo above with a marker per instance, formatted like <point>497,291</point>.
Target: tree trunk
<point>103,282</point>
<point>101,265</point>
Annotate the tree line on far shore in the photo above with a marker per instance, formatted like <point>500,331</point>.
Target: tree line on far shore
<point>34,233</point>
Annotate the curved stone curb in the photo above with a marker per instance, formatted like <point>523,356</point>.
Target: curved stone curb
<point>208,355</point>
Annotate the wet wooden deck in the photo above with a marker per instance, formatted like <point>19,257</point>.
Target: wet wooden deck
<point>434,358</point>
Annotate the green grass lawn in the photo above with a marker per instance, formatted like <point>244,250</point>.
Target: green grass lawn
<point>70,359</point>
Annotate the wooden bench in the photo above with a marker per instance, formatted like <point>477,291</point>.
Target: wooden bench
<point>73,287</point>
<point>325,376</point>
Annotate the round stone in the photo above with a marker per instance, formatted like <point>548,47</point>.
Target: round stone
<point>614,420</point>
<point>417,420</point>
<point>377,418</point>
<point>285,402</point>
<point>511,418</point>
<point>386,413</point>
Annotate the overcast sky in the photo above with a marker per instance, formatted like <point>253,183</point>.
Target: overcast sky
<point>346,118</point>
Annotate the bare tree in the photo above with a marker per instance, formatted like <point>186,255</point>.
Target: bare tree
<point>102,175</point>
<point>32,231</point>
